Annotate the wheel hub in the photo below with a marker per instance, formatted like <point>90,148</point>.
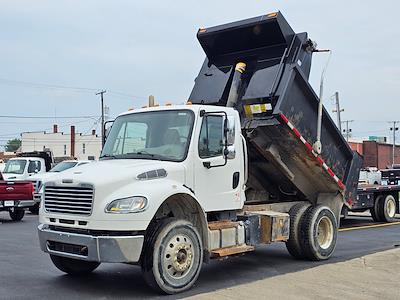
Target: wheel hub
<point>325,233</point>
<point>178,256</point>
<point>391,208</point>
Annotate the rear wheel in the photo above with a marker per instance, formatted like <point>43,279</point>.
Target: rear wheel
<point>17,214</point>
<point>73,266</point>
<point>318,233</point>
<point>375,211</point>
<point>387,209</point>
<point>293,245</point>
<point>172,256</point>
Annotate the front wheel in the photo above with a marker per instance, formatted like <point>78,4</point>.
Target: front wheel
<point>319,233</point>
<point>73,266</point>
<point>172,256</point>
<point>17,214</point>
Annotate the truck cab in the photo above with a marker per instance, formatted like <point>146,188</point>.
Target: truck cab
<point>152,155</point>
<point>21,168</point>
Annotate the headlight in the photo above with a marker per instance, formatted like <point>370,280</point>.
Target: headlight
<point>127,205</point>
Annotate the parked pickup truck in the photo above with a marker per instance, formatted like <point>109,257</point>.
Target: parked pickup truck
<point>15,196</point>
<point>230,171</point>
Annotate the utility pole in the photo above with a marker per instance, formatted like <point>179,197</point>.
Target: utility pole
<point>102,116</point>
<point>347,131</point>
<point>338,111</point>
<point>394,129</point>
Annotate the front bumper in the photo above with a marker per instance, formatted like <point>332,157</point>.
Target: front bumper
<point>26,203</point>
<point>116,249</point>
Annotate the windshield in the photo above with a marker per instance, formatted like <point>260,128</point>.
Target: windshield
<point>162,135</point>
<point>15,166</point>
<point>62,166</point>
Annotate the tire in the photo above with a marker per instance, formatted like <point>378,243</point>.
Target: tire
<point>293,245</point>
<point>387,209</point>
<point>318,233</point>
<point>172,256</point>
<point>375,211</point>
<point>17,214</point>
<point>34,209</point>
<point>73,266</point>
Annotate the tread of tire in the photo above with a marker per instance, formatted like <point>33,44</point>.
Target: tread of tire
<point>293,245</point>
<point>375,211</point>
<point>306,242</point>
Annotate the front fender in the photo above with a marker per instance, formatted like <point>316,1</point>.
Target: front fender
<point>156,191</point>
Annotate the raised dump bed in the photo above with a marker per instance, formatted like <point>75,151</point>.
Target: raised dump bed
<point>261,67</point>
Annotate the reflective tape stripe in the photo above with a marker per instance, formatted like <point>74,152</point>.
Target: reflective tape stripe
<point>313,154</point>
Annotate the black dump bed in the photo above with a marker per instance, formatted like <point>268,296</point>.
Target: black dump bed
<point>46,155</point>
<point>278,108</point>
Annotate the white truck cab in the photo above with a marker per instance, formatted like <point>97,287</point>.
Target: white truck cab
<point>21,168</point>
<point>157,162</point>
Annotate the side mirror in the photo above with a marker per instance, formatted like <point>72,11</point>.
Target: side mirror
<point>107,129</point>
<point>230,152</point>
<point>230,130</point>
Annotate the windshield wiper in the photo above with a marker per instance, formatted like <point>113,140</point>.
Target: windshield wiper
<point>142,154</point>
<point>108,156</point>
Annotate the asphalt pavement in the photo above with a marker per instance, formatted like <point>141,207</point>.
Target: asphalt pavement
<point>27,273</point>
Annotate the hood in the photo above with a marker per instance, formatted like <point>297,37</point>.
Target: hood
<point>42,176</point>
<point>11,176</point>
<point>116,170</point>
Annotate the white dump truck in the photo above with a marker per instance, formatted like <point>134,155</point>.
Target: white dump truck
<point>232,170</point>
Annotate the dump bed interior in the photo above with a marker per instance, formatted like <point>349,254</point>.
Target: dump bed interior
<point>278,109</point>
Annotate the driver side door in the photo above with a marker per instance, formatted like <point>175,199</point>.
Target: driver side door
<point>214,174</point>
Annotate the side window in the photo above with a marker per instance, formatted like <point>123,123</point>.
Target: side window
<point>211,137</point>
<point>33,166</point>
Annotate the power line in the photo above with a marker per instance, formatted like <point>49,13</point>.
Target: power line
<point>347,131</point>
<point>102,114</point>
<point>64,87</point>
<point>46,117</point>
<point>338,111</point>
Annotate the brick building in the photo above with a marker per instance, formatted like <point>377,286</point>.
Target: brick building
<point>376,154</point>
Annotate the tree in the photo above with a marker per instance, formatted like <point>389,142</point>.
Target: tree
<point>13,145</point>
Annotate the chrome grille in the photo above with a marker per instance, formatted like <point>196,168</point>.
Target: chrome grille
<point>68,200</point>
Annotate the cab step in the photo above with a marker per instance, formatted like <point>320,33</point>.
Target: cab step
<point>227,251</point>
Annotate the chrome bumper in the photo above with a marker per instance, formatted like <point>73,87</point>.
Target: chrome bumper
<point>26,203</point>
<point>116,249</point>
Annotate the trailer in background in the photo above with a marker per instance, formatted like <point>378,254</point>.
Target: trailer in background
<point>381,200</point>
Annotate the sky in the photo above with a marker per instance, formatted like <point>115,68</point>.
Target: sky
<point>55,56</point>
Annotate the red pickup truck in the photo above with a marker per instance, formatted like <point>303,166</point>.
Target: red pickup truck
<point>15,196</point>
